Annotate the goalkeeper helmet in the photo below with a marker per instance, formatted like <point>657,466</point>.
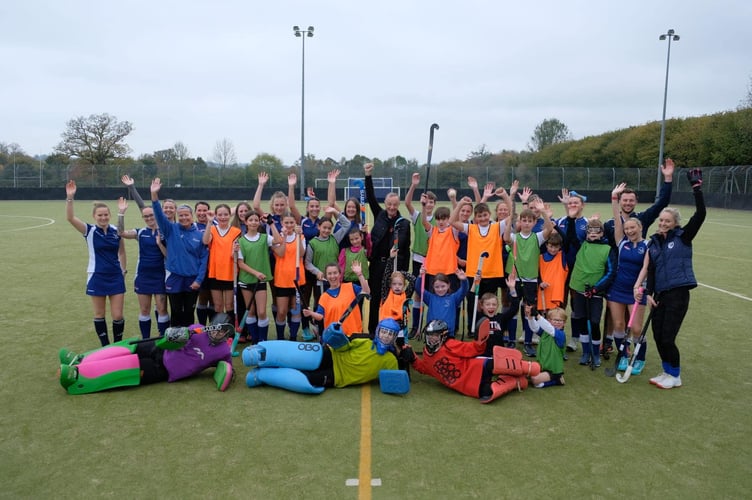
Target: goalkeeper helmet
<point>435,334</point>
<point>386,332</point>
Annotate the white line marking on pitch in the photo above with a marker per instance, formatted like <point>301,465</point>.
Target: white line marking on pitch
<point>355,482</point>
<point>727,224</point>
<point>726,291</point>
<point>49,222</point>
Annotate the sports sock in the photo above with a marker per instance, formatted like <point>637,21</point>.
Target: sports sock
<point>100,326</point>
<point>280,329</point>
<point>294,327</point>
<point>162,323</point>
<point>202,312</point>
<point>118,327</point>
<point>144,325</point>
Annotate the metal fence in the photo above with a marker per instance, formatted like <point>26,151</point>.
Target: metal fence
<point>728,186</point>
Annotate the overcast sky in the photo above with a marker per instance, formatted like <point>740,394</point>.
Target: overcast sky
<point>377,74</point>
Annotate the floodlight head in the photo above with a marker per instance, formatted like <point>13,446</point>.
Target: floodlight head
<point>676,37</point>
<point>662,37</point>
<point>296,28</point>
<point>670,32</point>
<point>310,28</point>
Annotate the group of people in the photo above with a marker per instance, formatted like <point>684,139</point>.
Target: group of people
<point>495,268</point>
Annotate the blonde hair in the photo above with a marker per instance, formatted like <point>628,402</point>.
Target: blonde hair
<point>99,204</point>
<point>556,313</point>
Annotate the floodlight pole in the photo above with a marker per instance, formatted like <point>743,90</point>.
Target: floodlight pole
<point>302,34</point>
<point>670,36</point>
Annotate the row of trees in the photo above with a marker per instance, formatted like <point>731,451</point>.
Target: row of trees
<point>93,150</point>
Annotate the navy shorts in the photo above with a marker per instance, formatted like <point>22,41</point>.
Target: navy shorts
<point>105,284</point>
<point>176,283</point>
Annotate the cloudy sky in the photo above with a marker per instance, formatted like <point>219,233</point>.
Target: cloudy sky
<point>377,74</point>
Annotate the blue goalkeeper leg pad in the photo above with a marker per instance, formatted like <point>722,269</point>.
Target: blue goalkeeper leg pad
<point>284,378</point>
<point>394,381</point>
<point>285,354</point>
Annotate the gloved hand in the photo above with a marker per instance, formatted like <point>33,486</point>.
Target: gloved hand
<point>407,354</point>
<point>179,334</point>
<point>590,292</point>
<point>694,176</point>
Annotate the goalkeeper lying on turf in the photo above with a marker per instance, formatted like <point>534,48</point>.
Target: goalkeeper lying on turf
<point>181,353</point>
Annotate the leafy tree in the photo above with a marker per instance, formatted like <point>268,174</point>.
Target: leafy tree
<point>548,132</point>
<point>95,139</point>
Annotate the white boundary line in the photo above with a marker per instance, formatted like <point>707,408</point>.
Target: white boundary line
<point>726,224</point>
<point>48,223</point>
<point>737,295</point>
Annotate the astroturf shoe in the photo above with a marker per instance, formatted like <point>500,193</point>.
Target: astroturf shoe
<point>623,364</point>
<point>572,345</point>
<point>638,366</point>
<point>658,378</point>
<point>307,335</point>
<point>223,375</point>
<point>669,382</point>
<point>529,350</point>
<point>68,357</point>
<point>68,375</point>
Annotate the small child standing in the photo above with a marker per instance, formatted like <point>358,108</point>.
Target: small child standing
<point>443,305</point>
<point>592,275</point>
<point>524,258</point>
<point>551,346</point>
<point>355,252</point>
<point>553,271</point>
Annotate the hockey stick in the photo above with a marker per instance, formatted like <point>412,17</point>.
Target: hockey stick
<point>215,331</point>
<point>362,188</point>
<point>236,337</point>
<point>621,378</point>
<point>610,372</point>
<point>434,127</point>
<point>589,329</point>
<point>476,290</point>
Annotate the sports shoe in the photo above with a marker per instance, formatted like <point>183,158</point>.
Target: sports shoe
<point>658,378</point>
<point>223,375</point>
<point>68,375</point>
<point>607,348</point>
<point>623,364</point>
<point>529,350</point>
<point>511,344</point>
<point>572,345</point>
<point>68,357</point>
<point>585,359</point>
<point>637,367</point>
<point>307,335</point>
<point>669,382</point>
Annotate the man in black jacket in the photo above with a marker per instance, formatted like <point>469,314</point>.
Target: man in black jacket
<point>389,230</point>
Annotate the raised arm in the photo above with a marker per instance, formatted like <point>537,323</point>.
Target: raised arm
<point>473,184</point>
<point>331,190</point>
<point>70,192</point>
<point>454,217</point>
<point>128,181</point>
<point>618,223</point>
<point>370,191</point>
<point>263,178</point>
<point>414,181</point>
<point>292,180</point>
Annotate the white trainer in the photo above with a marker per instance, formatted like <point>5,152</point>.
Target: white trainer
<point>658,378</point>
<point>669,382</point>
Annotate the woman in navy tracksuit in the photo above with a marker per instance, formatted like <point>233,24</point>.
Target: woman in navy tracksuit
<point>187,257</point>
<point>668,267</point>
